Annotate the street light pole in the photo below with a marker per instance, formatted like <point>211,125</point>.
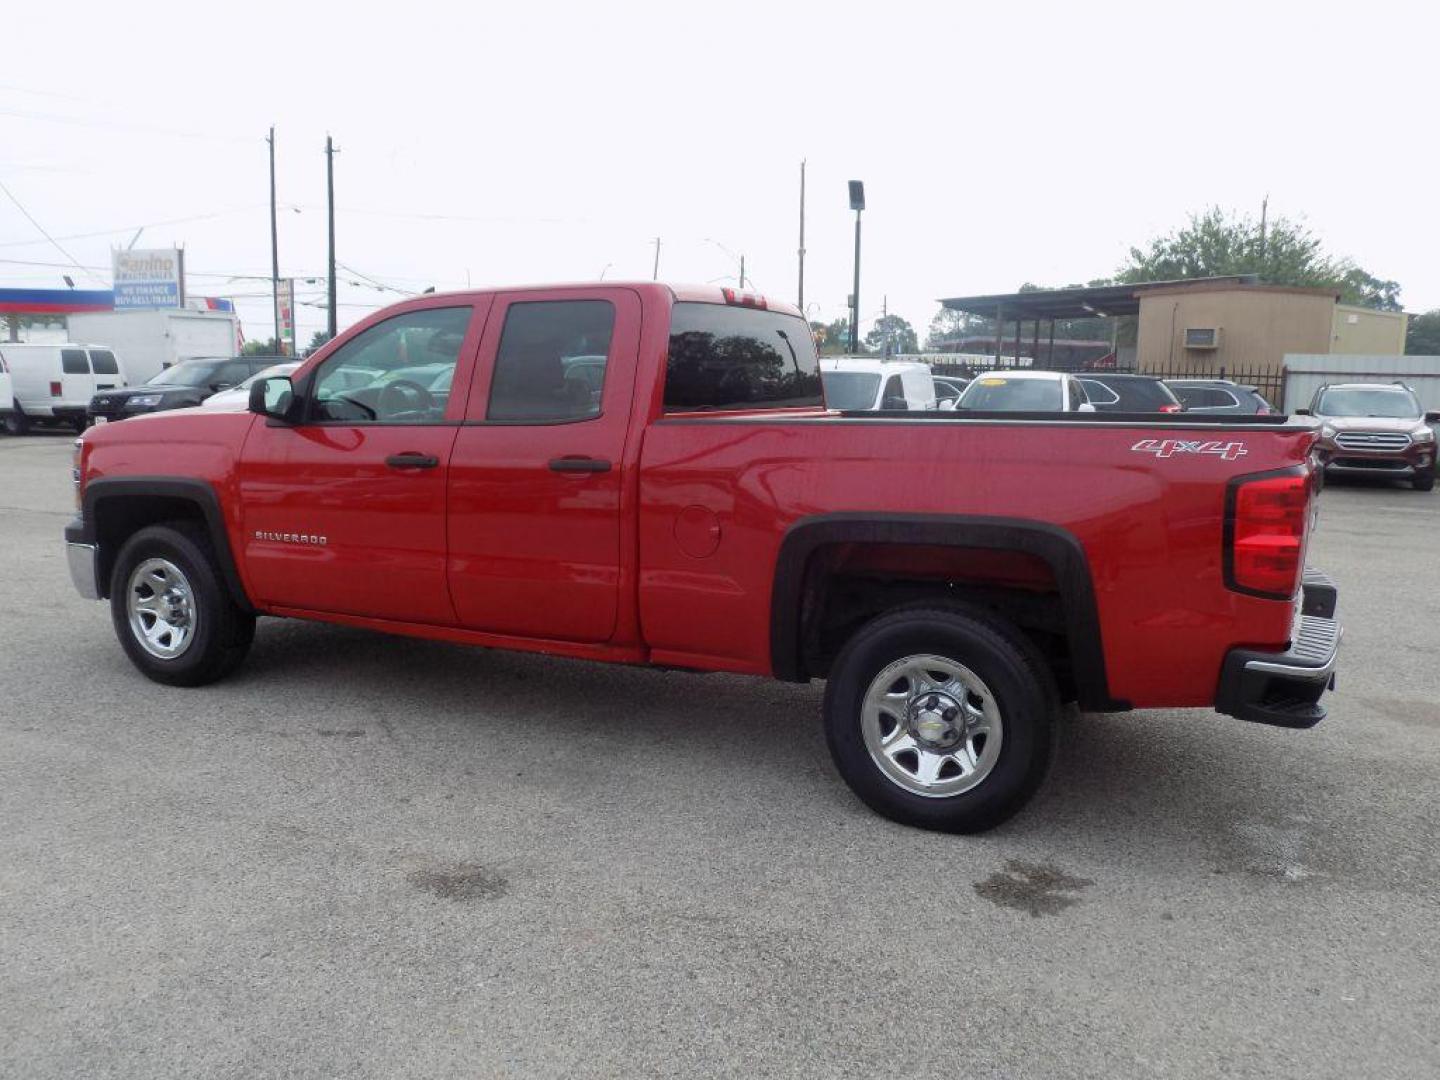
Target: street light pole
<point>800,302</point>
<point>857,203</point>
<point>274,246</point>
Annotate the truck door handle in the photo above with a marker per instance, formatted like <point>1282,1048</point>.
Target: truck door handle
<point>412,461</point>
<point>579,464</point>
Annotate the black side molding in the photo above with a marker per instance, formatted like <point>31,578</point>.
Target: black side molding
<point>1059,549</point>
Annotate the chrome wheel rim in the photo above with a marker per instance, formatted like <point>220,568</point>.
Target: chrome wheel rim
<point>932,726</point>
<point>161,606</point>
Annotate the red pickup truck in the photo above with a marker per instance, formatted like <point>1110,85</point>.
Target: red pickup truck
<point>647,474</point>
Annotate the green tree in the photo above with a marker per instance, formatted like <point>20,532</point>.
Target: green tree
<point>268,347</point>
<point>1423,336</point>
<point>1217,243</point>
<point>320,337</point>
<point>837,338</point>
<point>897,331</point>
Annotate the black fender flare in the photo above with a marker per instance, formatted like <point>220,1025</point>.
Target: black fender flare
<point>199,493</point>
<point>1057,547</point>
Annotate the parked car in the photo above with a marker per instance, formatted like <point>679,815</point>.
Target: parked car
<point>1024,391</point>
<point>238,397</point>
<point>177,387</point>
<point>1129,393</point>
<point>948,389</point>
<point>865,384</point>
<point>1220,397</point>
<point>51,384</point>
<point>955,578</point>
<point>1375,429</point>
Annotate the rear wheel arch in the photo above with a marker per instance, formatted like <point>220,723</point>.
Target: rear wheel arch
<point>115,508</point>
<point>793,598</point>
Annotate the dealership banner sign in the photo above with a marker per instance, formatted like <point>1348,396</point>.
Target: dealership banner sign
<point>149,279</point>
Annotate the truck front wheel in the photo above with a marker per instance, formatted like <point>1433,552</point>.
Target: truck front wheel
<point>171,610</point>
<point>941,717</point>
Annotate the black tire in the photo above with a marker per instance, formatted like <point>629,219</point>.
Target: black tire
<point>16,423</point>
<point>222,631</point>
<point>1424,481</point>
<point>1011,668</point>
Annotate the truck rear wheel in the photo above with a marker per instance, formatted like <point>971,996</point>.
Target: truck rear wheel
<point>171,610</point>
<point>941,718</point>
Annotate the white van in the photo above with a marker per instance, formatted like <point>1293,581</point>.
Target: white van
<point>7,395</point>
<point>54,383</point>
<point>865,383</point>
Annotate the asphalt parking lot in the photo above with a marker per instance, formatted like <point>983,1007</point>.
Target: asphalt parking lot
<point>374,857</point>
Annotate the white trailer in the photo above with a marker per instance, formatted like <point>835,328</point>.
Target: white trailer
<point>148,342</point>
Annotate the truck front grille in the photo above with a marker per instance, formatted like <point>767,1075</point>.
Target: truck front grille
<point>1372,440</point>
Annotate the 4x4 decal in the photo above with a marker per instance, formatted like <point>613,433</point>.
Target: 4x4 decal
<point>1164,448</point>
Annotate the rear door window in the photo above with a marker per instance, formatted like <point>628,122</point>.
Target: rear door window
<point>1098,394</point>
<point>550,366</point>
<point>103,361</point>
<point>73,362</point>
<point>730,357</point>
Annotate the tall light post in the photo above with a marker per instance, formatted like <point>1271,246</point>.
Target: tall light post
<point>857,203</point>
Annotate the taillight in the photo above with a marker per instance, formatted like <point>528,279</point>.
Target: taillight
<point>77,471</point>
<point>55,389</point>
<point>1177,407</point>
<point>1265,522</point>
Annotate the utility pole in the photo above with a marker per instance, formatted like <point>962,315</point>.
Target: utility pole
<point>800,303</point>
<point>1264,208</point>
<point>742,271</point>
<point>655,276</point>
<point>885,322</point>
<point>274,246</point>
<point>330,205</point>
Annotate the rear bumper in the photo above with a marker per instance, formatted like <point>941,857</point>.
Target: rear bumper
<point>1284,688</point>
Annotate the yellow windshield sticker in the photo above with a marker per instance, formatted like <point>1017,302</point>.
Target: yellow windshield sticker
<point>992,382</point>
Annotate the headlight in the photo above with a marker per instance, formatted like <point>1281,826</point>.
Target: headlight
<point>144,401</point>
<point>1423,434</point>
<point>1327,431</point>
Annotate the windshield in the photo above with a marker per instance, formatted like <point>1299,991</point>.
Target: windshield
<point>1392,404</point>
<point>186,373</point>
<point>850,389</point>
<point>998,394</point>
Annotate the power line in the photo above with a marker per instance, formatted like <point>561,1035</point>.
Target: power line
<point>31,218</point>
<point>132,228</point>
<point>149,129</point>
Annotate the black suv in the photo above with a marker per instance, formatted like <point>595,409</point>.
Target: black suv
<point>1128,393</point>
<point>1219,397</point>
<point>177,387</point>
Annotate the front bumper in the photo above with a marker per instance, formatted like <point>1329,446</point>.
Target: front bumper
<point>1284,689</point>
<point>82,555</point>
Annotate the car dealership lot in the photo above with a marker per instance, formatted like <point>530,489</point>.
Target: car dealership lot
<point>370,856</point>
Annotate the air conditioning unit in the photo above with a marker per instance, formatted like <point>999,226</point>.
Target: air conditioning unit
<point>1202,337</point>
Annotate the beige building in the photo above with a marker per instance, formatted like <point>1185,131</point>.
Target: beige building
<point>1203,327</point>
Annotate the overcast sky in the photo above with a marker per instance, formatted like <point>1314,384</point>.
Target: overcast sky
<point>495,144</point>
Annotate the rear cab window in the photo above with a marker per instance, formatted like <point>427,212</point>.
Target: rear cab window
<point>73,362</point>
<point>725,357</point>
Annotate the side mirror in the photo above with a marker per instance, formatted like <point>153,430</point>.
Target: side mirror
<point>895,404</point>
<point>948,405</point>
<point>216,387</point>
<point>1303,412</point>
<point>1432,416</point>
<point>1085,406</point>
<point>273,397</point>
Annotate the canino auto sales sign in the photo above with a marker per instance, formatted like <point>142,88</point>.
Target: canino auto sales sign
<point>149,279</point>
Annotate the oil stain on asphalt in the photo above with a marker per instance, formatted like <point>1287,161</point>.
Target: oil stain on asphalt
<point>460,881</point>
<point>1034,887</point>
